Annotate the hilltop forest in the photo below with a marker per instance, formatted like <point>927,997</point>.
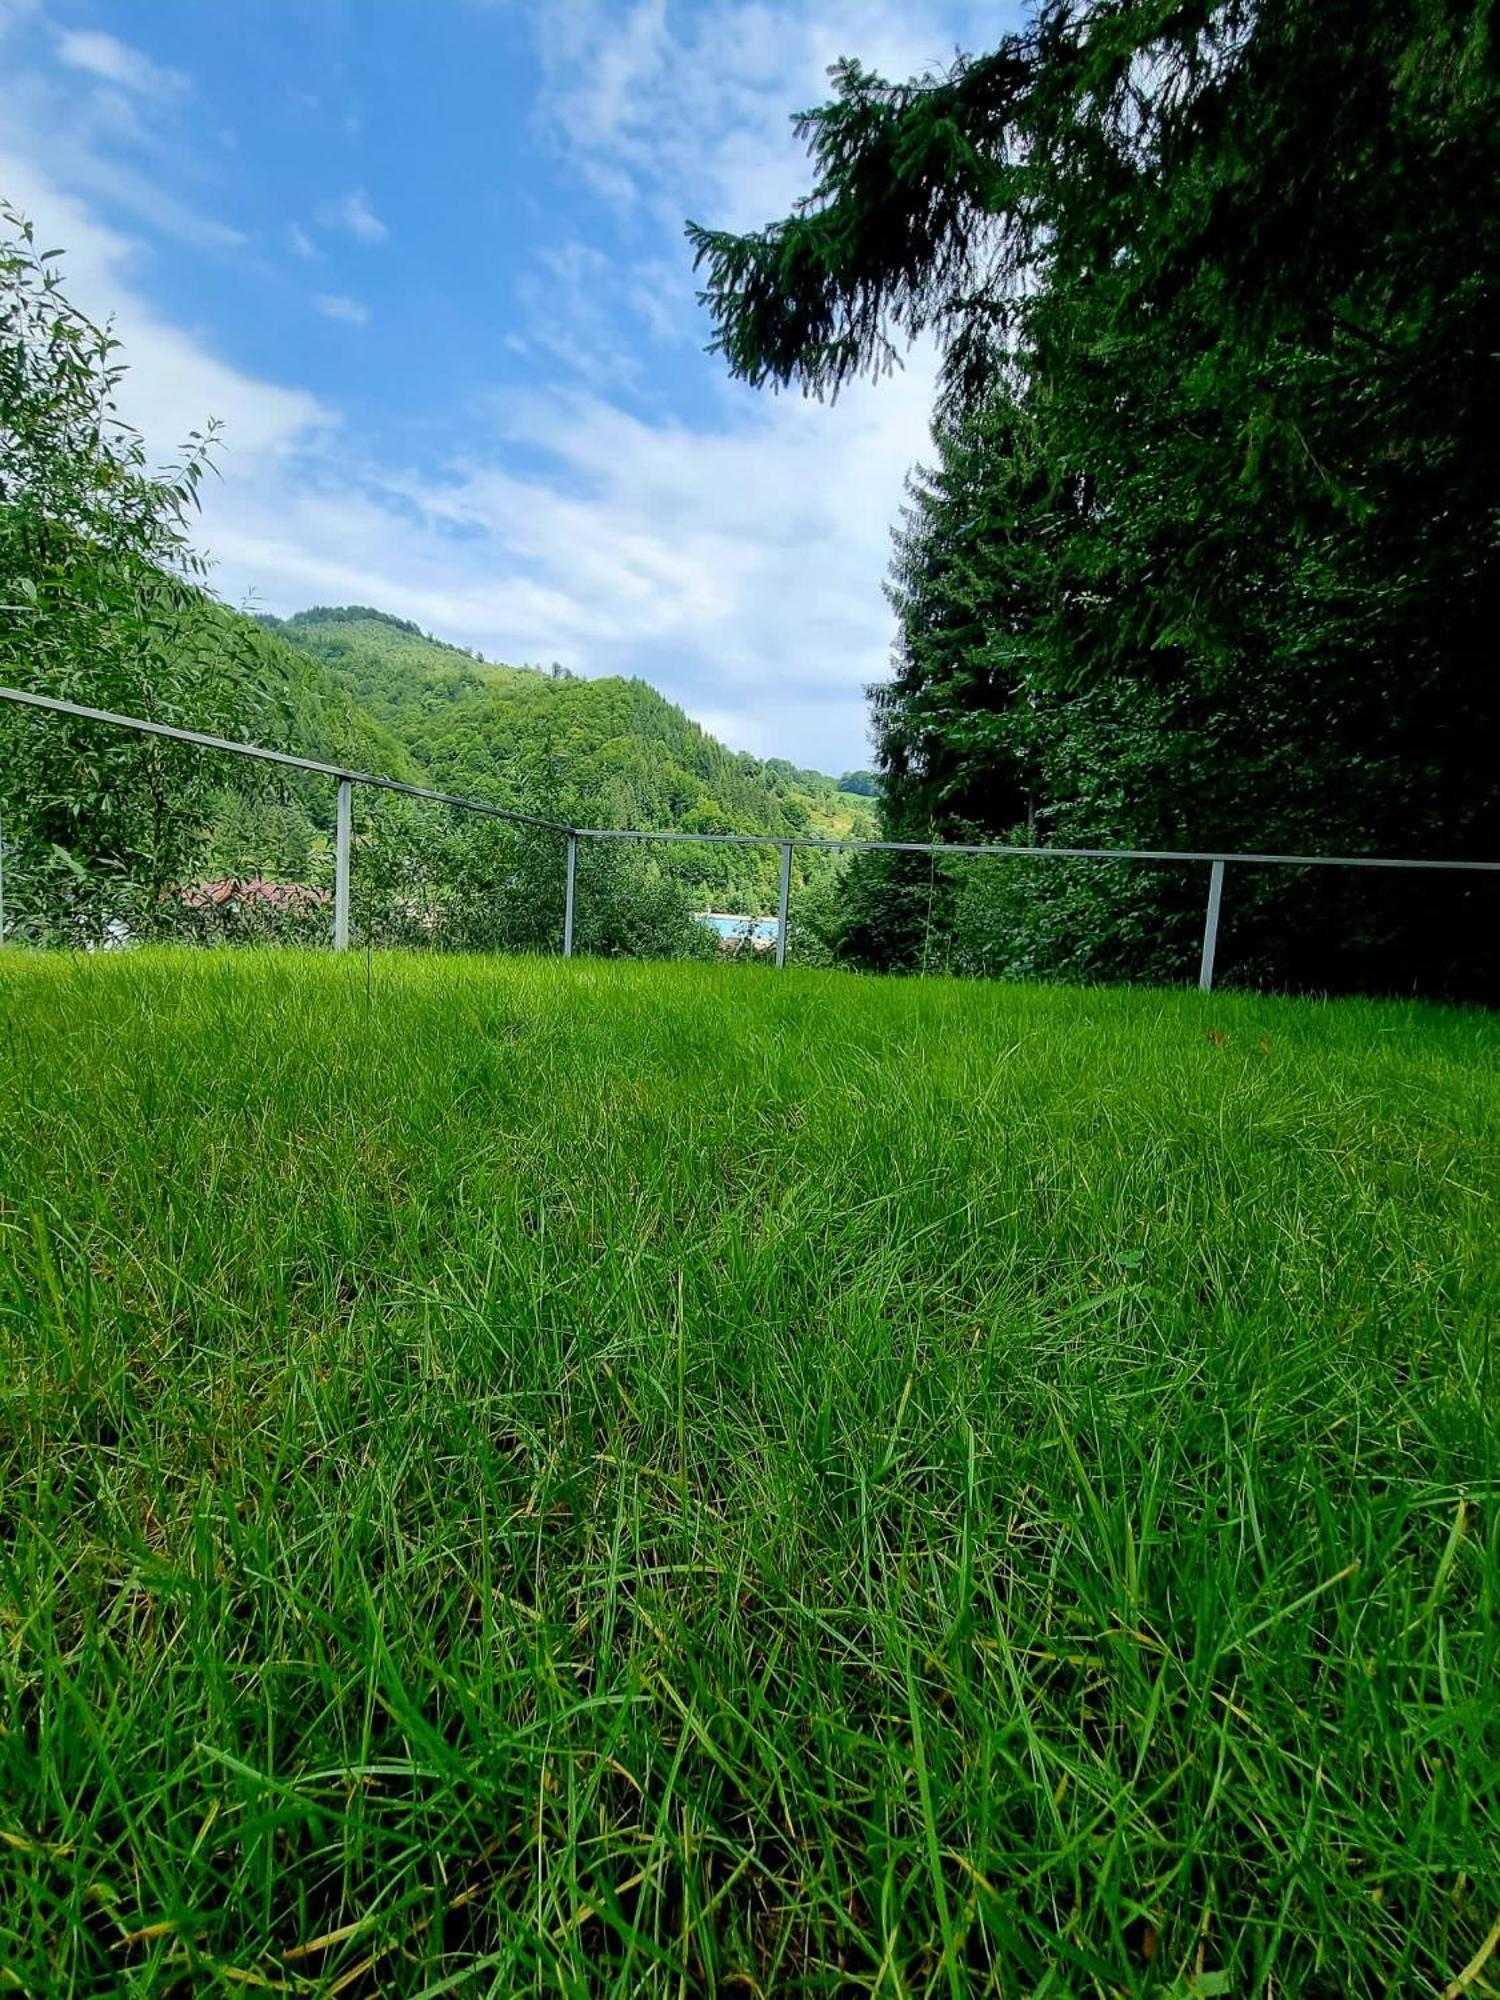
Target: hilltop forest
<point>357,686</point>
<point>607,752</point>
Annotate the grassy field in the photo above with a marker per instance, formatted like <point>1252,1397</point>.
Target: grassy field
<point>524,1477</point>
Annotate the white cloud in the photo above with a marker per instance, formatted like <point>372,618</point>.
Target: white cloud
<point>115,62</point>
<point>333,305</point>
<point>91,137</point>
<point>302,244</point>
<point>689,109</point>
<point>175,383</point>
<point>736,565</point>
<point>570,302</point>
<point>354,214</point>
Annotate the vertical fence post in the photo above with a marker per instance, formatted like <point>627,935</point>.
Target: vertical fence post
<point>1211,928</point>
<point>786,897</point>
<point>341,867</point>
<point>568,895</point>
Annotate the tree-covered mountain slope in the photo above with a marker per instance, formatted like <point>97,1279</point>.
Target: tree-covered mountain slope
<point>270,821</point>
<point>608,752</point>
<point>616,745</point>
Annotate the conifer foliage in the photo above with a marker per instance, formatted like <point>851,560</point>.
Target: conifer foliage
<point>1206,555</point>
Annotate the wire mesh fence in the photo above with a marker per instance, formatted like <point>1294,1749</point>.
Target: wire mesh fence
<point>311,853</point>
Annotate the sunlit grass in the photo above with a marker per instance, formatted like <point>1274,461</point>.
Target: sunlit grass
<point>600,1479</point>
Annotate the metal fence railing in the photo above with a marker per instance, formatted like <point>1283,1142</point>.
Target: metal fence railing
<point>1216,862</point>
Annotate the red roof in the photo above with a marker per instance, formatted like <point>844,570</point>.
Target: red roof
<point>271,895</point>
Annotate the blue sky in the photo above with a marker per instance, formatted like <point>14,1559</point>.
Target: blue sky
<point>424,259</point>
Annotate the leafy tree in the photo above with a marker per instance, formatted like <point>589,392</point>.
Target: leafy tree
<point>1207,556</point>
<point>105,605</point>
<point>98,576</point>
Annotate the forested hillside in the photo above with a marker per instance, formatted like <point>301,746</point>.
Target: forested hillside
<point>608,752</point>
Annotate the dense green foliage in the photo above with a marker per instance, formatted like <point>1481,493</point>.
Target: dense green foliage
<point>96,583</point>
<point>1208,553</point>
<point>623,1480</point>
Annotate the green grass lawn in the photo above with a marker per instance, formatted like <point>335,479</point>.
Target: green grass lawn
<point>601,1479</point>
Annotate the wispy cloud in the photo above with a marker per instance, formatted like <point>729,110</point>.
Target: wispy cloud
<point>175,382</point>
<point>302,244</point>
<point>333,305</point>
<point>93,138</point>
<point>681,107</point>
<point>571,303</point>
<point>115,62</point>
<point>354,214</point>
<point>736,565</point>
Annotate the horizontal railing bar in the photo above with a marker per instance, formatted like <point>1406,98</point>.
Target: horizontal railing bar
<point>340,771</point>
<point>723,839</point>
<point>1038,853</point>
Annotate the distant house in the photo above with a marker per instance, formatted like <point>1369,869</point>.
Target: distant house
<point>234,895</point>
